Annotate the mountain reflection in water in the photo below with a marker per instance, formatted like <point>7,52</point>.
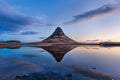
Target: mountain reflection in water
<point>58,52</point>
<point>28,66</point>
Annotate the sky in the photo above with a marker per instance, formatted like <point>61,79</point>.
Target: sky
<point>81,20</point>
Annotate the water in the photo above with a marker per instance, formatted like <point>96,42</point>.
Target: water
<point>83,62</point>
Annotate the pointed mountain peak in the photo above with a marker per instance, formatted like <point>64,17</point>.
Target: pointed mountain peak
<point>58,27</point>
<point>58,32</point>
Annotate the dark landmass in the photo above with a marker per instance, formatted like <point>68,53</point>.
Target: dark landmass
<point>10,44</point>
<point>105,44</point>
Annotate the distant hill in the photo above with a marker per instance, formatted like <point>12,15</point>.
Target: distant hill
<point>10,42</point>
<point>110,44</point>
<point>13,44</point>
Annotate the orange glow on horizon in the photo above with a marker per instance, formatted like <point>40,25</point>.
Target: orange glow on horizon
<point>99,40</point>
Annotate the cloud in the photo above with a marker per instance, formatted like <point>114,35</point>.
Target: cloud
<point>12,21</point>
<point>114,1</point>
<point>50,24</point>
<point>105,9</point>
<point>29,33</point>
<point>91,41</point>
<point>42,37</point>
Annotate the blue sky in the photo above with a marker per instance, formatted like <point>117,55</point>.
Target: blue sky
<point>82,20</point>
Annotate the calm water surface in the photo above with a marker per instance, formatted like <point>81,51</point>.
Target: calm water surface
<point>83,62</point>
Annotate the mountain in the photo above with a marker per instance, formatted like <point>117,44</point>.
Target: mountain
<point>108,44</point>
<point>59,37</point>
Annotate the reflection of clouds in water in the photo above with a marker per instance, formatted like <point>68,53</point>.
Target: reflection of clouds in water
<point>13,66</point>
<point>54,72</point>
<point>10,67</point>
<point>55,76</point>
<point>97,75</point>
<point>30,55</point>
<point>42,51</point>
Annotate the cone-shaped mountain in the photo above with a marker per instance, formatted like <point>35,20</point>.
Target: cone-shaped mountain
<point>58,37</point>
